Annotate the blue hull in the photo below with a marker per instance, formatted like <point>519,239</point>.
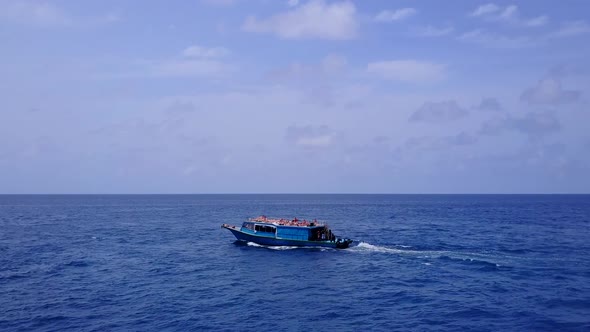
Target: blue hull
<point>273,241</point>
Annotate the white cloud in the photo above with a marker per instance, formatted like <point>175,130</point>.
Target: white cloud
<point>431,31</point>
<point>292,3</point>
<point>437,112</point>
<point>33,13</point>
<point>43,14</point>
<point>407,70</point>
<point>438,143</point>
<point>574,28</point>
<point>325,83</point>
<point>485,9</point>
<point>493,40</point>
<point>532,124</point>
<point>314,20</point>
<point>537,21</point>
<point>310,136</point>
<point>537,123</point>
<point>396,15</point>
<point>508,14</point>
<point>549,91</point>
<point>331,66</point>
<point>205,52</point>
<point>194,61</point>
<point>318,141</point>
<point>489,104</point>
<point>188,68</point>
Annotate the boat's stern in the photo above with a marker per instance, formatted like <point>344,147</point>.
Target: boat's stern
<point>343,243</point>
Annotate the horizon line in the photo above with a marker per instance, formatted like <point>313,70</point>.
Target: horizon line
<point>270,193</point>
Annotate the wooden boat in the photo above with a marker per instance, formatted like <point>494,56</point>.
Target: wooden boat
<point>284,232</point>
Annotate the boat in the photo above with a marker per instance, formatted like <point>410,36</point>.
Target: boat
<point>287,232</point>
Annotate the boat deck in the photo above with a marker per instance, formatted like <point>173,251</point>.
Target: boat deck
<point>285,222</point>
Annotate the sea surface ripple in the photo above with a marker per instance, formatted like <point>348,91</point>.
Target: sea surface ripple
<point>420,263</point>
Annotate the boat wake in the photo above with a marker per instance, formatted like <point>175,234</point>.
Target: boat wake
<point>367,247</point>
<point>400,249</point>
<point>486,260</point>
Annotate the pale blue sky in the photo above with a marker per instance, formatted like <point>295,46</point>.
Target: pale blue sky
<point>238,96</point>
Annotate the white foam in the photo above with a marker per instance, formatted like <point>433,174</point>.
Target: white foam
<point>284,247</point>
<point>367,247</point>
<point>252,244</point>
<point>364,247</point>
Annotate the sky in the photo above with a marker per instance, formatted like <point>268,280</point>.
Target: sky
<point>286,96</point>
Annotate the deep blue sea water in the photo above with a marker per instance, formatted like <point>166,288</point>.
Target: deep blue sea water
<point>421,263</point>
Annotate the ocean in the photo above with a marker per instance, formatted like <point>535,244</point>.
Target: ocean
<point>419,263</point>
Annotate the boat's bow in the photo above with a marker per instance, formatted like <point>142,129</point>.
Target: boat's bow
<point>234,229</point>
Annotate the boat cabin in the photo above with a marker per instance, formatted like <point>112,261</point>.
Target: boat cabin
<point>291,230</point>
<point>257,227</point>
